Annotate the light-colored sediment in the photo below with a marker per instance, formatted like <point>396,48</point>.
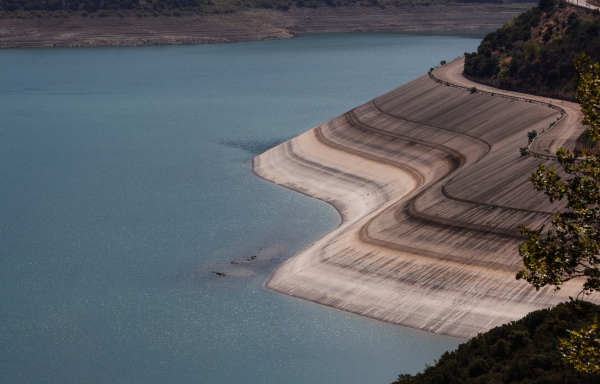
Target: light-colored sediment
<point>431,188</point>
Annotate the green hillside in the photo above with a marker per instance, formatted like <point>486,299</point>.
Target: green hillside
<point>535,51</point>
<point>524,351</point>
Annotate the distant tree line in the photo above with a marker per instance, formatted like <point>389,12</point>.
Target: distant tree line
<point>534,52</point>
<point>109,7</point>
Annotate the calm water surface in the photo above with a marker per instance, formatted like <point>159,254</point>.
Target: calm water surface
<point>125,181</point>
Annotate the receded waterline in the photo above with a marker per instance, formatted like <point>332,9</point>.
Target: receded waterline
<point>125,183</point>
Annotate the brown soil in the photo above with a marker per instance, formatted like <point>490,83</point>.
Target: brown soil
<point>251,25</point>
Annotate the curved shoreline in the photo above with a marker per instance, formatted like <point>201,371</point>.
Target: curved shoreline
<point>430,187</point>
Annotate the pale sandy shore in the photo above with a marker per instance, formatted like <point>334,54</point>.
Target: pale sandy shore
<point>431,187</point>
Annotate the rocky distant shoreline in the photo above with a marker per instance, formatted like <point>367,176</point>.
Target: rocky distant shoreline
<point>249,25</point>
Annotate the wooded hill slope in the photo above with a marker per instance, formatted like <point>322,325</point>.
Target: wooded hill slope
<point>534,52</point>
<point>523,351</point>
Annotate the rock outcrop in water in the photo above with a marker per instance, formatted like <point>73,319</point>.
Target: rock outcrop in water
<point>431,188</point>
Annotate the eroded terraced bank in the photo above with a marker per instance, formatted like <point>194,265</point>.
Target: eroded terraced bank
<point>431,188</point>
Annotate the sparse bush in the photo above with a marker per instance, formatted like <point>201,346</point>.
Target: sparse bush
<point>532,135</point>
<point>473,89</point>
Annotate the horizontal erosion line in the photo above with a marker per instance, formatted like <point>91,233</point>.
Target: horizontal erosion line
<point>450,197</point>
<point>328,170</point>
<point>459,261</point>
<point>444,190</point>
<point>411,209</point>
<point>487,145</point>
<point>458,158</point>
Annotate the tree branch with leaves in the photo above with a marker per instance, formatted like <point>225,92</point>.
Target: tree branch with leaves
<point>571,248</point>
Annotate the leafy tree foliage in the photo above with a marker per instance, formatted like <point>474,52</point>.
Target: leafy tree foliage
<point>532,134</point>
<point>524,351</point>
<point>571,248</point>
<point>582,349</point>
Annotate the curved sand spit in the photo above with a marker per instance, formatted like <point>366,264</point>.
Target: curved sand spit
<point>431,188</point>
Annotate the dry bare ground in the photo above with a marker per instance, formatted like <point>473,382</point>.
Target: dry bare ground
<point>431,187</point>
<point>250,25</point>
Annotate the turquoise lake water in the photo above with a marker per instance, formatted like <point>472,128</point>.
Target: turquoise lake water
<point>125,181</point>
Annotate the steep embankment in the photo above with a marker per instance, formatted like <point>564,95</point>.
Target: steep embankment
<point>431,188</point>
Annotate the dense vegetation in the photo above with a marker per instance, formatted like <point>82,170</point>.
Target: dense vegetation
<point>103,8</point>
<point>535,51</point>
<point>524,351</point>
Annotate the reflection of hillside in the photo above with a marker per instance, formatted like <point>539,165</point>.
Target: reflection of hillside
<point>431,188</point>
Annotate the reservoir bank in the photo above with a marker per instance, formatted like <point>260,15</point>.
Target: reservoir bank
<point>126,182</point>
<point>432,189</point>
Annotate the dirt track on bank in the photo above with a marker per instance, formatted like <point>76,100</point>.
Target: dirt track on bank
<point>251,25</point>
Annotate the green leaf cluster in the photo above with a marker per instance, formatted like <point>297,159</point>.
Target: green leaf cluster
<point>588,93</point>
<point>524,351</point>
<point>582,348</point>
<point>570,249</point>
